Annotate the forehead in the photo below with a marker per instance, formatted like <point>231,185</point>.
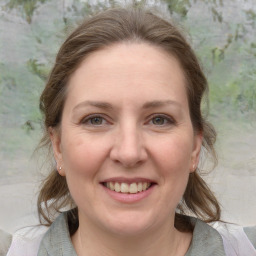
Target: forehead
<point>128,69</point>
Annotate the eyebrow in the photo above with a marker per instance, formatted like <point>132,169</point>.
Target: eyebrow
<point>108,106</point>
<point>160,103</point>
<point>97,104</point>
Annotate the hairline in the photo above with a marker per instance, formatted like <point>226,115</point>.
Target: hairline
<point>134,40</point>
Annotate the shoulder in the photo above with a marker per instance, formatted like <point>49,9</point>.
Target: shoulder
<point>236,238</point>
<point>221,239</point>
<point>40,240</point>
<point>251,234</point>
<point>206,240</point>
<point>5,242</point>
<point>26,241</point>
<point>57,238</point>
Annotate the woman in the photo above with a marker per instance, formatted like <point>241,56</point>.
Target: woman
<point>122,113</point>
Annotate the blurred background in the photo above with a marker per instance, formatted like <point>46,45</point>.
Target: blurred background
<point>223,34</point>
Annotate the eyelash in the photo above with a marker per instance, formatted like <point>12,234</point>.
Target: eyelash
<point>165,118</point>
<point>87,119</point>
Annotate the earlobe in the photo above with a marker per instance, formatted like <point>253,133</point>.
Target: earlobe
<point>60,171</point>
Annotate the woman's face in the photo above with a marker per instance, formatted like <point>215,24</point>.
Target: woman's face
<point>126,126</point>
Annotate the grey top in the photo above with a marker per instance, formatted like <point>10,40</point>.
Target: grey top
<point>251,233</point>
<point>206,240</point>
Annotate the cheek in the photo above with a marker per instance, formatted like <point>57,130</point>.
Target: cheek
<point>174,155</point>
<point>81,155</point>
<point>173,160</point>
<point>82,160</point>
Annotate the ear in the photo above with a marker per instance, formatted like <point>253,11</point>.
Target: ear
<point>56,146</point>
<point>198,139</point>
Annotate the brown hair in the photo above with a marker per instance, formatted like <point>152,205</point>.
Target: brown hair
<point>106,28</point>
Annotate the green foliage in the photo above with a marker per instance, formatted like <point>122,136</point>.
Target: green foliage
<point>38,69</point>
<point>217,16</point>
<point>212,2</point>
<point>218,53</point>
<point>251,17</point>
<point>232,76</point>
<point>231,60</point>
<point>227,93</point>
<point>28,6</point>
<point>247,98</point>
<point>28,126</point>
<point>7,80</point>
<point>139,3</point>
<point>239,94</point>
<point>182,7</point>
<point>179,7</point>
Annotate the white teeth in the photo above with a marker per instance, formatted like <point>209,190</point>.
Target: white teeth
<point>111,185</point>
<point>133,188</point>
<point>144,185</point>
<point>139,186</point>
<point>117,187</point>
<point>123,187</point>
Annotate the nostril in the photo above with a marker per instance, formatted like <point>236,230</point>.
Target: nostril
<point>127,159</point>
<point>128,148</point>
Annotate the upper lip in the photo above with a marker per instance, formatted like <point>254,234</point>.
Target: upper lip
<point>128,180</point>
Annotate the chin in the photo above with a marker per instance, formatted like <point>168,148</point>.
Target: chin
<point>129,224</point>
<point>126,230</point>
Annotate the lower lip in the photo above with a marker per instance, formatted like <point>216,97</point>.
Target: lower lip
<point>127,197</point>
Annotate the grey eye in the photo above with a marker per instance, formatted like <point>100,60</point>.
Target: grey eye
<point>159,120</point>
<point>96,120</point>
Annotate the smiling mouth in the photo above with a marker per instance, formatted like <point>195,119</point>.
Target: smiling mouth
<point>122,187</point>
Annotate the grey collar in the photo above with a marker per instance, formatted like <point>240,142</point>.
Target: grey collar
<point>56,242</point>
<point>206,240</point>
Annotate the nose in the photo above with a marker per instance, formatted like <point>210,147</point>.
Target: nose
<point>128,148</point>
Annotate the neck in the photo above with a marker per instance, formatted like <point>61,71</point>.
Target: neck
<point>164,241</point>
